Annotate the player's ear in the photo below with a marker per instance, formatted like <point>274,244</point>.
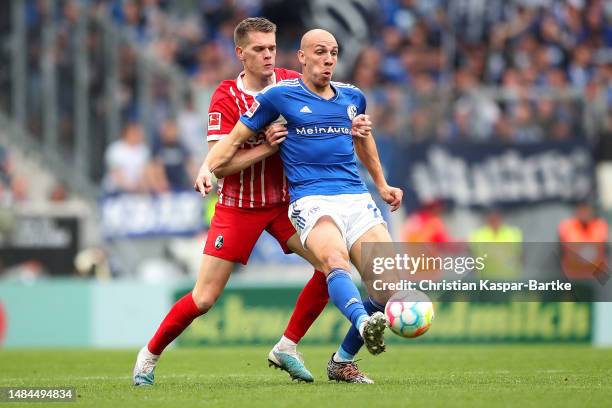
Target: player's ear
<point>301,57</point>
<point>239,53</point>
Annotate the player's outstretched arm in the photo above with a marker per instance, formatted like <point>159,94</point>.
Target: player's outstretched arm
<point>222,153</point>
<point>366,150</point>
<point>243,159</point>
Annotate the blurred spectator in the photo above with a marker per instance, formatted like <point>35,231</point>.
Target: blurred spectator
<point>495,230</point>
<point>172,166</point>
<point>595,112</point>
<point>58,193</point>
<point>366,72</point>
<point>126,161</point>
<point>428,236</point>
<point>526,129</point>
<point>20,189</point>
<point>5,169</point>
<point>426,225</point>
<point>92,263</point>
<point>192,133</point>
<point>502,245</point>
<point>25,272</point>
<point>584,226</point>
<point>6,197</point>
<point>13,187</point>
<point>460,128</point>
<point>503,129</point>
<point>583,239</point>
<point>580,69</point>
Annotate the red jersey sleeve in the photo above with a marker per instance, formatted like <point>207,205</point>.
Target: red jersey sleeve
<point>222,115</point>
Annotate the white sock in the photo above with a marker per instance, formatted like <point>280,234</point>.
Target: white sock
<point>362,327</point>
<point>149,354</point>
<point>285,344</point>
<point>338,359</point>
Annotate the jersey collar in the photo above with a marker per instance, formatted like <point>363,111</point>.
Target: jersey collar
<point>241,88</point>
<point>334,88</point>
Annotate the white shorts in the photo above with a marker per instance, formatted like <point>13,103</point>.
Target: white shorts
<point>354,214</point>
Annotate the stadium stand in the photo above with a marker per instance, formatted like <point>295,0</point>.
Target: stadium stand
<point>518,74</point>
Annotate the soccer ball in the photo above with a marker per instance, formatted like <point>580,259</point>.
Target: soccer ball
<point>409,319</point>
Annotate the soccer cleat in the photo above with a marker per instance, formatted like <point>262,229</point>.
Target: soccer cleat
<point>291,362</point>
<point>144,367</point>
<point>373,333</point>
<point>347,372</point>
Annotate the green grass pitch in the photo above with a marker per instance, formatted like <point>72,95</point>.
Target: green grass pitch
<point>406,376</point>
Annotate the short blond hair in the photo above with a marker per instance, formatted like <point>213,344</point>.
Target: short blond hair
<point>252,24</point>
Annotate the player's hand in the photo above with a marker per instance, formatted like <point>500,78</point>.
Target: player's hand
<point>362,126</point>
<point>276,134</point>
<point>203,183</point>
<point>392,196</point>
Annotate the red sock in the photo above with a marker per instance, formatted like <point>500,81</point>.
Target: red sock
<point>178,318</point>
<point>309,305</point>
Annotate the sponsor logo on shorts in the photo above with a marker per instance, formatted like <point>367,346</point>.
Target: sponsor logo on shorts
<point>219,242</point>
<point>214,121</point>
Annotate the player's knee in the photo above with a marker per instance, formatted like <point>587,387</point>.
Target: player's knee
<point>335,259</point>
<point>204,301</point>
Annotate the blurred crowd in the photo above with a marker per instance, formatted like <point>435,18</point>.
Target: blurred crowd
<point>537,58</point>
<point>546,64</point>
<point>443,70</point>
<point>518,71</point>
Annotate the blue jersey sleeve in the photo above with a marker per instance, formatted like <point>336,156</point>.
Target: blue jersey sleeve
<point>261,113</point>
<point>361,107</point>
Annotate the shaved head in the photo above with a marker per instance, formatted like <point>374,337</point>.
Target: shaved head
<point>315,36</point>
<point>318,55</point>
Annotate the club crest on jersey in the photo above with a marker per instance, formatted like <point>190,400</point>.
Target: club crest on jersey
<point>252,109</point>
<point>214,121</point>
<point>351,111</point>
<point>219,242</point>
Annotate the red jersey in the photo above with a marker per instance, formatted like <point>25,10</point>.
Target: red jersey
<point>264,183</point>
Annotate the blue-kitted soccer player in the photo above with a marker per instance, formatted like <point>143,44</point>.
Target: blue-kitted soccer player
<point>330,206</point>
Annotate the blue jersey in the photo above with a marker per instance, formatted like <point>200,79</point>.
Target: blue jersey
<point>318,154</point>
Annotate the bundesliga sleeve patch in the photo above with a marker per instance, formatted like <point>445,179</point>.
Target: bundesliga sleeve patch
<point>252,109</point>
<point>214,121</point>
